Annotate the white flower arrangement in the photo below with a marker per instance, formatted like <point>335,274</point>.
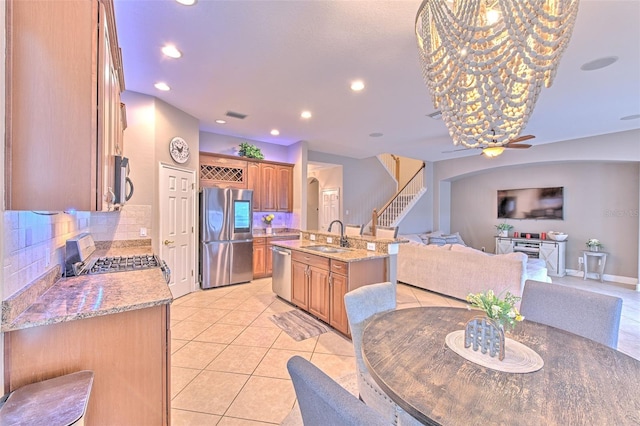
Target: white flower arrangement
<point>594,242</point>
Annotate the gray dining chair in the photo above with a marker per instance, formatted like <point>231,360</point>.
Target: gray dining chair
<point>323,402</point>
<point>587,314</point>
<point>361,304</point>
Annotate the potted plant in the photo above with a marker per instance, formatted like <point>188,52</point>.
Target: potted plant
<point>594,244</point>
<point>267,219</point>
<point>503,229</point>
<point>250,151</point>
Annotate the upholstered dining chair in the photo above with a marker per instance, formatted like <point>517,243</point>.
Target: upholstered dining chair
<point>353,229</point>
<point>587,314</point>
<point>322,401</point>
<point>361,304</point>
<point>386,232</point>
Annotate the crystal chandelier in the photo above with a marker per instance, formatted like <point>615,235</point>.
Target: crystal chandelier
<point>485,62</point>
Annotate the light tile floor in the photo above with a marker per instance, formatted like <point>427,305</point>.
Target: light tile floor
<point>228,364</point>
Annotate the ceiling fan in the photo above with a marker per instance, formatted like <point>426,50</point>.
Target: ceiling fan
<point>494,151</point>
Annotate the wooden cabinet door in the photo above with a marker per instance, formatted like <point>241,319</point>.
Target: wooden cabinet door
<point>285,189</point>
<point>268,260</point>
<point>319,293</point>
<point>549,253</point>
<point>253,182</point>
<point>268,187</point>
<point>299,284</point>
<point>338,313</point>
<point>259,256</point>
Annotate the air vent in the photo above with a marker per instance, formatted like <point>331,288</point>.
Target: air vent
<point>236,115</point>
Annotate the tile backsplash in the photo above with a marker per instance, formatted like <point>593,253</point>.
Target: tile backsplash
<point>34,243</point>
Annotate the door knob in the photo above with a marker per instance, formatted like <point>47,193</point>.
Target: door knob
<point>167,242</point>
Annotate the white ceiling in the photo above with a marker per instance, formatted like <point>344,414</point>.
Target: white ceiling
<point>273,59</point>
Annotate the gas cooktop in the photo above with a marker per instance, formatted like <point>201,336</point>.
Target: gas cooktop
<point>123,263</point>
<point>79,250</point>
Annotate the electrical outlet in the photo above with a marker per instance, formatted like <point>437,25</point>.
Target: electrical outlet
<point>329,240</point>
<point>312,237</point>
<point>482,248</point>
<point>371,246</point>
<point>143,232</point>
<point>580,260</point>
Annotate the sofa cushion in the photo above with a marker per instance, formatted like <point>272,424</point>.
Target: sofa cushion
<point>415,238</point>
<point>428,235</point>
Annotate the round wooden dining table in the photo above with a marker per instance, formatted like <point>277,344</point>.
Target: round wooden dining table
<point>582,382</point>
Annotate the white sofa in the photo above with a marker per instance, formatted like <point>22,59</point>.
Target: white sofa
<point>456,270</point>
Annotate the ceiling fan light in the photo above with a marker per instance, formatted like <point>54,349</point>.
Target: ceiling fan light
<point>493,151</point>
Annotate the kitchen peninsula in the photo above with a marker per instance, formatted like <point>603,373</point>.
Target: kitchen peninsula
<point>115,324</point>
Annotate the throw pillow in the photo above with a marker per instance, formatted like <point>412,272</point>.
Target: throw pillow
<point>454,239</point>
<point>425,237</point>
<point>439,241</point>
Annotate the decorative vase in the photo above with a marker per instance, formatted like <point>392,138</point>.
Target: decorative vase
<point>594,248</point>
<point>485,334</point>
<point>269,230</point>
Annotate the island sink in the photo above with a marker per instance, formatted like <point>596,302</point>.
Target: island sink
<point>327,249</point>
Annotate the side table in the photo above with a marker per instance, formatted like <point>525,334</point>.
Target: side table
<point>601,256</point>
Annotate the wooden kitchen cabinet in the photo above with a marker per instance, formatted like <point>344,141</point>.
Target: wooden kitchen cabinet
<point>63,117</point>
<point>319,284</point>
<point>262,254</point>
<point>299,284</point>
<point>271,182</point>
<point>276,187</point>
<point>253,182</point>
<point>129,353</point>
<point>259,257</point>
<point>338,285</point>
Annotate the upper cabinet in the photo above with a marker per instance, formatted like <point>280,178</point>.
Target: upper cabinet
<point>64,118</point>
<point>271,182</point>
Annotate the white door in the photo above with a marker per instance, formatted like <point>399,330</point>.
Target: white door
<point>330,206</point>
<point>177,228</point>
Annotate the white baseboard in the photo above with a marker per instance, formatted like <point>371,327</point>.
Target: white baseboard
<point>628,282</point>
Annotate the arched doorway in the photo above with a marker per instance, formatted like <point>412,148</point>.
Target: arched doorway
<point>313,197</point>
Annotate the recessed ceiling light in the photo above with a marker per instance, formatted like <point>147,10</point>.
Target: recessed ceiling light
<point>376,134</point>
<point>275,132</point>
<point>171,51</point>
<point>187,2</point>
<point>162,86</point>
<point>305,114</point>
<point>357,85</point>
<point>599,63</point>
<point>221,122</point>
<point>631,117</point>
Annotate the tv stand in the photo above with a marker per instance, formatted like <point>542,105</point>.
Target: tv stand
<point>552,252</point>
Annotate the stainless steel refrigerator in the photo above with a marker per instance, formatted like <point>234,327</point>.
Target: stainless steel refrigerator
<point>226,241</point>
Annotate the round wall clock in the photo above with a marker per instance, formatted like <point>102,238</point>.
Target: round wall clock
<point>179,150</point>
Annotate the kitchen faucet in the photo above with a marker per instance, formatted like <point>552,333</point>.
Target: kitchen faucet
<point>343,240</point>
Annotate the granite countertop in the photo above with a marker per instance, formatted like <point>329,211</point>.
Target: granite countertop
<point>352,255</point>
<point>277,232</point>
<point>89,296</point>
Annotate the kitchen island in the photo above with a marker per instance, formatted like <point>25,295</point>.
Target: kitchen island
<point>114,324</point>
<point>320,279</point>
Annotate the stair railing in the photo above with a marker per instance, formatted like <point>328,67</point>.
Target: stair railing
<point>392,209</point>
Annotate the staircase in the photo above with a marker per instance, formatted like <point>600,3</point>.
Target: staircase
<point>401,203</point>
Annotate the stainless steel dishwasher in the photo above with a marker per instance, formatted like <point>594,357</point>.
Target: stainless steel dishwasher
<point>281,273</point>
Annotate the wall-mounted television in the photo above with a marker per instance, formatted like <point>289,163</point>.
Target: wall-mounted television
<point>531,203</point>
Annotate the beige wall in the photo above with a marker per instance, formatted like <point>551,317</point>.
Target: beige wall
<point>600,201</point>
<point>618,148</point>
